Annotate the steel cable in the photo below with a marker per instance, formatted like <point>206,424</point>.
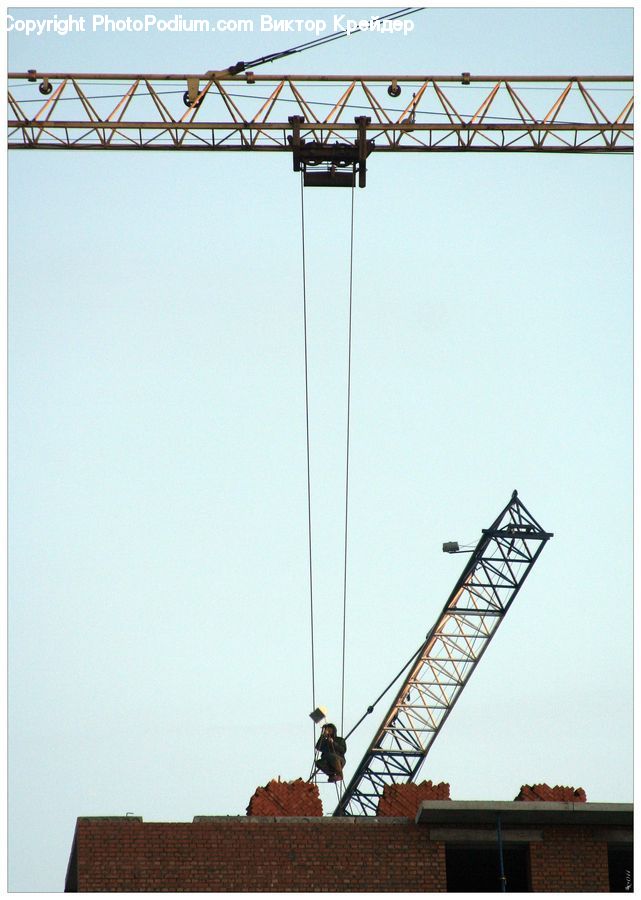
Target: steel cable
<point>318,42</point>
<point>349,396</point>
<point>370,709</point>
<point>347,454</point>
<point>309,484</point>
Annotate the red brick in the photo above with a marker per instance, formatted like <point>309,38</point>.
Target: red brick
<point>543,792</point>
<point>239,854</point>
<point>405,799</point>
<point>257,855</point>
<point>286,798</point>
<point>569,860</point>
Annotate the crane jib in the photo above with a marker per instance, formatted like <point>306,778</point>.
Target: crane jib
<point>337,125</point>
<point>485,590</point>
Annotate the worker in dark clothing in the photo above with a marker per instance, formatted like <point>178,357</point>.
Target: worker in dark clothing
<point>332,751</point>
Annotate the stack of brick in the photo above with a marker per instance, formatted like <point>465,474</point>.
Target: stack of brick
<point>405,799</point>
<point>286,798</point>
<point>534,792</point>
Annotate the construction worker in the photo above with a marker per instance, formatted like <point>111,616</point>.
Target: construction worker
<point>332,751</point>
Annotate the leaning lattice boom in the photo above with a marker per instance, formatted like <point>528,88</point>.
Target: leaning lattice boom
<point>476,607</point>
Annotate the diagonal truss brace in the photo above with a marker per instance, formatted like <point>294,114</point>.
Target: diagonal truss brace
<point>484,592</point>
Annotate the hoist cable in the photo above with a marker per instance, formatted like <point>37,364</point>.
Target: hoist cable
<point>317,42</point>
<point>349,396</point>
<point>370,709</point>
<point>309,486</point>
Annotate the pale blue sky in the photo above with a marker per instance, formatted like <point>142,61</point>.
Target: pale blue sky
<point>159,607</point>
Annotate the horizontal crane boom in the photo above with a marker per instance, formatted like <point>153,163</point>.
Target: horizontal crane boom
<point>249,112</point>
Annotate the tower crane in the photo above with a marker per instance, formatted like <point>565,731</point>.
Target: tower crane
<point>443,664</point>
<point>241,111</point>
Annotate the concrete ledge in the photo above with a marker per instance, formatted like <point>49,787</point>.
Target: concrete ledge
<point>109,818</point>
<point>313,820</point>
<point>461,812</point>
<point>614,835</point>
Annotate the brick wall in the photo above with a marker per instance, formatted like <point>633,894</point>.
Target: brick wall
<point>285,844</point>
<point>257,854</point>
<point>569,859</point>
<point>262,854</point>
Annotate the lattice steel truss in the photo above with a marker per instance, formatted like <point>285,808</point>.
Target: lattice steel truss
<point>216,111</point>
<point>476,607</point>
